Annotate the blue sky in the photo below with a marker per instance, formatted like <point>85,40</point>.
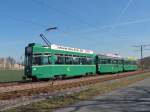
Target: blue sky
<point>105,26</point>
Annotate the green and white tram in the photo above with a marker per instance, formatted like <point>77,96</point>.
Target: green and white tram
<point>43,62</point>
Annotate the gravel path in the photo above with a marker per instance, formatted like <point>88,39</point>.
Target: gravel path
<point>134,98</point>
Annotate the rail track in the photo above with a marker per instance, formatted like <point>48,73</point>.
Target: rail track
<point>15,90</point>
<point>6,87</point>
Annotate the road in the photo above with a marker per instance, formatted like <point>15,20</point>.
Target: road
<point>134,98</point>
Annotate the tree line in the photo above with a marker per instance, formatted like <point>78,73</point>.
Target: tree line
<point>9,63</point>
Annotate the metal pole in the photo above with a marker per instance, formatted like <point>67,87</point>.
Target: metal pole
<point>142,57</point>
<point>141,47</point>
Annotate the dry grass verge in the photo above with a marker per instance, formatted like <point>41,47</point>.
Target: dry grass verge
<point>94,90</point>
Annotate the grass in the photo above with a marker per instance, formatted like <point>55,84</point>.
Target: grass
<point>10,75</point>
<point>100,88</point>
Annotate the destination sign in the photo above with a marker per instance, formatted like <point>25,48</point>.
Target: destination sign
<point>113,55</point>
<point>63,48</point>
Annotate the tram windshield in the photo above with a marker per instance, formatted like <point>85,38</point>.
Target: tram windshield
<point>28,56</point>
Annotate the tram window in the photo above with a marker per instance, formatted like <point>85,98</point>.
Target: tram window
<point>126,62</point>
<point>45,60</point>
<point>89,61</point>
<point>37,60</point>
<point>28,51</point>
<point>119,62</point>
<point>83,61</point>
<point>60,60</point>
<point>99,61</point>
<point>68,60</point>
<point>103,61</point>
<point>76,60</point>
<point>109,61</point>
<point>115,62</point>
<point>28,60</point>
